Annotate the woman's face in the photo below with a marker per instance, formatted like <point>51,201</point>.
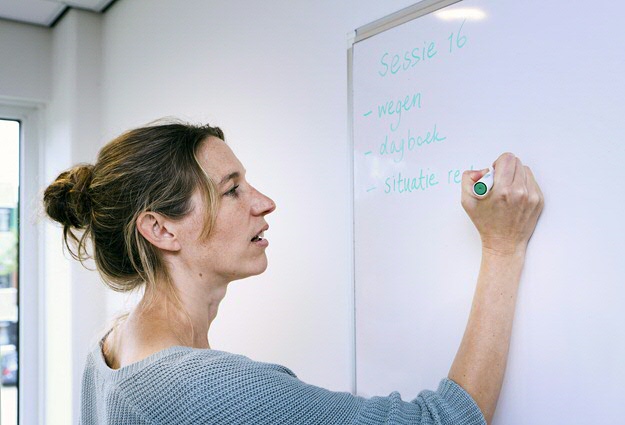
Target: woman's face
<point>235,248</point>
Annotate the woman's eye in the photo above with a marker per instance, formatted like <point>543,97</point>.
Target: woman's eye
<point>233,192</point>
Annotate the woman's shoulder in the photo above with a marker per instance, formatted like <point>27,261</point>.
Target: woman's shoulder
<point>179,379</point>
<point>185,365</point>
<point>215,368</point>
<point>195,362</point>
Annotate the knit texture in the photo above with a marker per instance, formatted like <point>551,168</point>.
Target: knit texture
<point>183,385</point>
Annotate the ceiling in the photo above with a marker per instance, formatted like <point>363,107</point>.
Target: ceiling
<point>46,12</point>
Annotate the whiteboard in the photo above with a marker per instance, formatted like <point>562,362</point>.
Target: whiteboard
<point>546,81</point>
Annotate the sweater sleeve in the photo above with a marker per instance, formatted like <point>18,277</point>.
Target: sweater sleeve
<point>236,390</point>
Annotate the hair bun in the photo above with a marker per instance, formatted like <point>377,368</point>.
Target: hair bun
<point>67,199</point>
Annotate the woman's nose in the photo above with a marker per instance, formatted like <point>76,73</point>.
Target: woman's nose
<point>263,205</point>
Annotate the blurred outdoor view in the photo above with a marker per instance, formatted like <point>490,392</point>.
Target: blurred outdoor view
<point>9,182</point>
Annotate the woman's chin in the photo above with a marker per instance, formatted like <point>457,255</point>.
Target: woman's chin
<point>257,269</point>
<point>261,269</point>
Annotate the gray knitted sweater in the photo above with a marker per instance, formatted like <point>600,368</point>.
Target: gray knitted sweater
<point>182,385</point>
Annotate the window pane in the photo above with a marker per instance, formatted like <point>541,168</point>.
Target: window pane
<point>9,346</point>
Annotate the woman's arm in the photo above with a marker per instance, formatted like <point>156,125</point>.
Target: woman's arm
<point>505,219</point>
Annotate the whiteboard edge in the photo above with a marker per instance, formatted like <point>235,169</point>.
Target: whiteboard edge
<point>350,159</point>
<point>400,17</point>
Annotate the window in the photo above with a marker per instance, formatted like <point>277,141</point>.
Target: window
<point>9,343</point>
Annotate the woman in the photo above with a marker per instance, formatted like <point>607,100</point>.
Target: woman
<point>168,208</point>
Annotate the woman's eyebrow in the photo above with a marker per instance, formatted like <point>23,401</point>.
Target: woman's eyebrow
<point>230,176</point>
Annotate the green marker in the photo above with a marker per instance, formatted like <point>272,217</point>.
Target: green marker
<point>483,185</point>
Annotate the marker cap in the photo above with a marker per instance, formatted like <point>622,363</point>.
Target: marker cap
<point>483,185</point>
<point>480,188</point>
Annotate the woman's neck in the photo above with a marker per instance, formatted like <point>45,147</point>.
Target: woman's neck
<point>161,321</point>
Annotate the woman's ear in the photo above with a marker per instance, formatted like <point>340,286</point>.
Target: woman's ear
<point>157,230</point>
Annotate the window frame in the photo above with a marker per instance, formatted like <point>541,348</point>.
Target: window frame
<point>31,298</point>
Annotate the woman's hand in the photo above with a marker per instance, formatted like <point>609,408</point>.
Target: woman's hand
<point>507,215</point>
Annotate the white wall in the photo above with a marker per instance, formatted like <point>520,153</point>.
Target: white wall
<point>26,60</point>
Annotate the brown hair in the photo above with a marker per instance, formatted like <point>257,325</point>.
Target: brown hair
<point>152,168</point>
